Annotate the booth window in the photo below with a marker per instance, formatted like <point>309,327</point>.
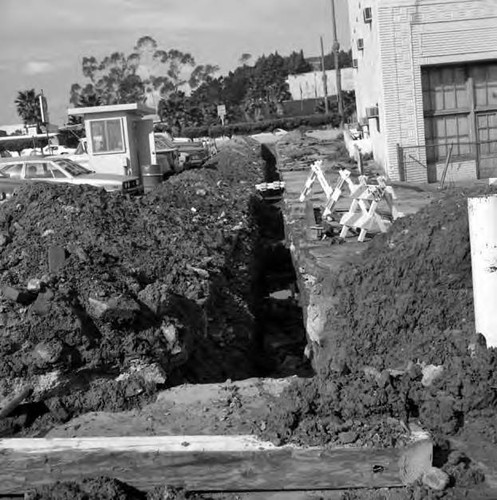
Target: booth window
<point>107,136</point>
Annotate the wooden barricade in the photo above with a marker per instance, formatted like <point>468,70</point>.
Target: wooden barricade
<point>363,215</point>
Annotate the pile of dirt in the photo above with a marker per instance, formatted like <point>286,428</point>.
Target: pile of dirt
<point>107,297</point>
<point>404,345</point>
<point>296,150</point>
<point>106,488</point>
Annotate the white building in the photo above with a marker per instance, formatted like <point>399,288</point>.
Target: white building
<point>310,85</point>
<point>10,129</point>
<point>426,84</point>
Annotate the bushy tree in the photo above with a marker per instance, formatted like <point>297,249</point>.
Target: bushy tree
<point>148,74</point>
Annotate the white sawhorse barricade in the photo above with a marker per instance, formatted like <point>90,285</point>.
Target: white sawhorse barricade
<point>362,213</point>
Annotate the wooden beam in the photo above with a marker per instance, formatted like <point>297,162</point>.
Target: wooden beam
<point>8,406</point>
<point>208,463</point>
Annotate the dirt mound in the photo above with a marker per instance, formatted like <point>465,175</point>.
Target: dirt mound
<point>100,488</point>
<point>405,311</point>
<point>106,488</point>
<point>296,149</point>
<point>128,293</point>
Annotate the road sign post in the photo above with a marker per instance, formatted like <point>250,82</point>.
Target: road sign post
<point>221,112</point>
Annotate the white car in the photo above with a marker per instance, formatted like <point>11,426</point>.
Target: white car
<point>16,171</point>
<point>31,152</point>
<point>56,149</point>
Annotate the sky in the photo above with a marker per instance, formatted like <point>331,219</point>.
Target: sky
<point>43,41</point>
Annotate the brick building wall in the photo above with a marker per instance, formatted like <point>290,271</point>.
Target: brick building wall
<point>410,34</point>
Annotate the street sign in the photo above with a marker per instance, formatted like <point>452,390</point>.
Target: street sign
<point>221,110</point>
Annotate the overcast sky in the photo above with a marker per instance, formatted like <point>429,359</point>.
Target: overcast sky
<point>43,41</point>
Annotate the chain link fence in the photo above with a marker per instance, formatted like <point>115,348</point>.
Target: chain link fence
<point>451,160</point>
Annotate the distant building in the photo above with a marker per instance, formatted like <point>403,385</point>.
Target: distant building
<point>10,129</point>
<point>426,85</point>
<point>310,85</point>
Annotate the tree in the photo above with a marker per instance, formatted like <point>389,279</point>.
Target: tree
<point>344,60</point>
<point>28,108</point>
<point>267,87</point>
<point>113,80</point>
<point>297,64</point>
<point>148,74</point>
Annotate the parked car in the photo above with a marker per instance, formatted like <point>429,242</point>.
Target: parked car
<point>31,152</point>
<point>80,154</point>
<point>194,153</point>
<point>57,149</point>
<point>167,155</point>
<point>16,171</point>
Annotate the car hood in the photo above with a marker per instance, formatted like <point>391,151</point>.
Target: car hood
<point>105,178</point>
<point>189,146</point>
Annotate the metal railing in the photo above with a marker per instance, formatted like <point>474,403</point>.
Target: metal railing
<point>438,160</point>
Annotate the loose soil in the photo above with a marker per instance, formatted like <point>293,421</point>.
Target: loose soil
<point>404,305</point>
<point>105,488</point>
<point>117,297</point>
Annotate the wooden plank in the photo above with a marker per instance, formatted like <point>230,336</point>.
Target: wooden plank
<point>8,406</point>
<point>207,463</point>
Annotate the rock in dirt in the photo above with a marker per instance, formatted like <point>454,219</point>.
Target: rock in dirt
<point>56,258</point>
<point>430,374</point>
<point>436,479</point>
<point>17,295</point>
<point>347,437</point>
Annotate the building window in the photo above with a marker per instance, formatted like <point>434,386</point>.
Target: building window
<point>460,109</point>
<point>107,136</point>
<point>485,82</point>
<point>446,110</point>
<point>444,89</point>
<point>442,132</point>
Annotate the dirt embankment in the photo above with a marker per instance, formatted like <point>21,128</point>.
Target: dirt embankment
<point>104,488</point>
<point>106,298</point>
<point>404,344</point>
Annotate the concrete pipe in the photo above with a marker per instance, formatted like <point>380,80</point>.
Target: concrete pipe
<point>482,214</point>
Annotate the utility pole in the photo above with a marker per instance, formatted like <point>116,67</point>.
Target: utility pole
<point>325,81</point>
<point>336,50</point>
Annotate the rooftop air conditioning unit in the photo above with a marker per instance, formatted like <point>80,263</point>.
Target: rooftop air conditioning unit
<point>368,15</point>
<point>372,112</point>
<point>360,44</point>
<point>354,63</point>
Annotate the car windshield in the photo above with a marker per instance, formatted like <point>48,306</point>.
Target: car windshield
<point>71,167</point>
<point>81,149</point>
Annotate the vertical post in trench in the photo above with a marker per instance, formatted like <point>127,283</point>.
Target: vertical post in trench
<point>482,216</point>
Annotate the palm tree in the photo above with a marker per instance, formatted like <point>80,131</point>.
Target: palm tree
<point>28,108</point>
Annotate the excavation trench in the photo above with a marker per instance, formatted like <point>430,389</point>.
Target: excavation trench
<point>190,284</point>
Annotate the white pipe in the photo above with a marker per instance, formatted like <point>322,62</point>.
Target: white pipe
<point>482,215</point>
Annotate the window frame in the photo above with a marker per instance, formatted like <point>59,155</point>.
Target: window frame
<point>105,121</point>
<point>11,165</point>
<point>473,111</point>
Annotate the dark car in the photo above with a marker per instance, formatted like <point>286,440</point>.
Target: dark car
<point>16,171</point>
<point>166,154</point>
<point>194,152</point>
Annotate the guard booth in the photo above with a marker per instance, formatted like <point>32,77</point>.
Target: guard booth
<point>120,138</point>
